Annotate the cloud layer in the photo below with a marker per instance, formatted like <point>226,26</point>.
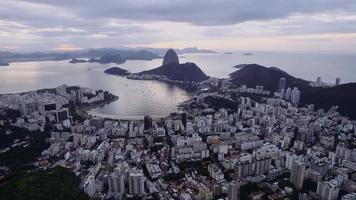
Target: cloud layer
<point>48,24</point>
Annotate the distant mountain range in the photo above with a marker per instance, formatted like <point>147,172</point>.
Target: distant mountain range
<point>76,60</point>
<point>162,51</point>
<point>343,95</point>
<point>8,57</point>
<point>126,53</point>
<point>105,59</point>
<point>3,64</point>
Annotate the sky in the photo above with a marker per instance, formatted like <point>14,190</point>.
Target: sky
<point>247,25</point>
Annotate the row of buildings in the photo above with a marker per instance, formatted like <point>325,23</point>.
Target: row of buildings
<point>271,148</point>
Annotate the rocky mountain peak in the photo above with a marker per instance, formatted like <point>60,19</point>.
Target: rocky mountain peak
<point>170,57</point>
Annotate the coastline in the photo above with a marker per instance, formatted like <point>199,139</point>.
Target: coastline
<point>190,86</point>
<point>84,109</point>
<point>119,117</point>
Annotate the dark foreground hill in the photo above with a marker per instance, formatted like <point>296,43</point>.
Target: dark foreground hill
<point>343,96</point>
<point>55,184</point>
<point>17,158</point>
<point>254,74</point>
<point>179,72</point>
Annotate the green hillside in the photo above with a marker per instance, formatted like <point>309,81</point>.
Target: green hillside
<point>54,184</point>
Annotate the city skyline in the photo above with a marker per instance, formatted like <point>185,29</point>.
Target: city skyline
<point>177,100</point>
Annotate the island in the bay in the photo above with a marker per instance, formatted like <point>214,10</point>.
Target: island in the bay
<point>187,75</point>
<point>117,71</point>
<point>247,54</point>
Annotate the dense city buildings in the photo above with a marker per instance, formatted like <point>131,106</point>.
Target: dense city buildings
<point>117,100</point>
<point>338,81</point>
<point>297,173</point>
<point>318,81</point>
<point>233,191</point>
<point>328,190</point>
<point>282,84</point>
<point>267,147</point>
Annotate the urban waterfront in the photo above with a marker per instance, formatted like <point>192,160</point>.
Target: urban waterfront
<point>136,98</point>
<point>178,100</point>
<point>139,98</point>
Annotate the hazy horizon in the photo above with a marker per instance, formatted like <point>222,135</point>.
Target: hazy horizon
<point>216,50</point>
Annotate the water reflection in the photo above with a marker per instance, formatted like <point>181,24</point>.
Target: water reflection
<point>136,98</point>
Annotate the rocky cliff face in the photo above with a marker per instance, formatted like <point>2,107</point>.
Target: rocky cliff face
<point>171,57</point>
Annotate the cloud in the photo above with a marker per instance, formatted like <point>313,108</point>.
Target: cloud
<point>47,24</point>
<point>67,47</point>
<point>298,24</point>
<point>198,12</point>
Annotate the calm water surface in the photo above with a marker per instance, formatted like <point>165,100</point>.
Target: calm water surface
<point>136,98</point>
<point>139,98</point>
<point>302,65</point>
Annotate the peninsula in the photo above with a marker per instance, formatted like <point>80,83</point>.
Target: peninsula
<point>187,75</point>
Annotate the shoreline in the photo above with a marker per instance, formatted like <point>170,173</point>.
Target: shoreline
<point>119,117</point>
<point>189,86</point>
<point>84,109</point>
